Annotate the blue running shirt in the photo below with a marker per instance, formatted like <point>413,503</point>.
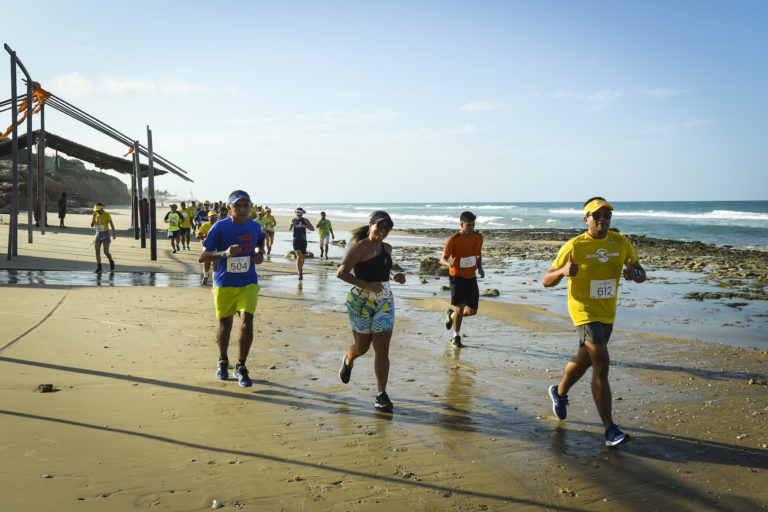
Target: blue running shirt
<point>225,233</point>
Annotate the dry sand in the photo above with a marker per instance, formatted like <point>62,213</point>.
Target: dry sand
<point>137,420</point>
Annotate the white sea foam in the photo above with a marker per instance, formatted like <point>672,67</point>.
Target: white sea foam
<point>711,215</point>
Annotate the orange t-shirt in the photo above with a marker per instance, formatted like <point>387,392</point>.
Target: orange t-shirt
<point>467,250</point>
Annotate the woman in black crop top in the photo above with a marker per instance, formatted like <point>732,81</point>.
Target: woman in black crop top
<point>370,304</point>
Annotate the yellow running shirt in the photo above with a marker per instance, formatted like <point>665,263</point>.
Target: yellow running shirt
<point>270,223</point>
<point>204,229</point>
<point>592,291</point>
<point>189,213</point>
<point>102,221</point>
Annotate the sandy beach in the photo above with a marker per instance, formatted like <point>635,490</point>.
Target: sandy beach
<point>137,421</point>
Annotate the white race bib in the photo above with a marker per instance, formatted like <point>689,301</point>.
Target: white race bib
<point>385,292</point>
<point>238,264</point>
<point>99,227</point>
<point>602,288</point>
<point>469,261</point>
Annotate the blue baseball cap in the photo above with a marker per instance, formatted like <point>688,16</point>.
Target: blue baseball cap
<point>234,199</point>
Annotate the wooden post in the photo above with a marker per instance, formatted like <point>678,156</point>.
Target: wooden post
<point>41,173</point>
<point>13,241</point>
<point>151,191</point>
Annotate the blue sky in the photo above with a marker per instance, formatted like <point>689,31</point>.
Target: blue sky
<point>367,101</point>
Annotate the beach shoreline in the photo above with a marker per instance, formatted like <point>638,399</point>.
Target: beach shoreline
<point>137,421</point>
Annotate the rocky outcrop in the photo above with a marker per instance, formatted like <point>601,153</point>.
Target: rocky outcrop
<point>83,187</point>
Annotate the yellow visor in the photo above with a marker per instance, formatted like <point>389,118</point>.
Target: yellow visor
<point>596,204</point>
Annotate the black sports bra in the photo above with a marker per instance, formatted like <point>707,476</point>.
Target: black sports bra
<point>375,269</point>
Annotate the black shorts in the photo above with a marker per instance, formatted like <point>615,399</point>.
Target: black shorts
<point>594,332</point>
<point>300,245</point>
<point>464,292</point>
<point>184,231</point>
<point>174,234</point>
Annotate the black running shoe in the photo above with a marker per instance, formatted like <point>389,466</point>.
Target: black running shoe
<point>345,372</point>
<point>456,342</point>
<point>448,319</point>
<point>383,403</point>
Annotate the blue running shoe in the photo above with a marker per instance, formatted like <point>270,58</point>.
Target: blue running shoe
<point>221,369</point>
<point>559,403</point>
<point>614,436</point>
<point>241,374</point>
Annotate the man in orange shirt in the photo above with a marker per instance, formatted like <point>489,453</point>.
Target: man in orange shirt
<point>462,255</point>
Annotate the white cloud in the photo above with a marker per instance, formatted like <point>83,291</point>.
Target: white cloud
<point>477,106</point>
<point>122,88</point>
<point>73,84</point>
<point>661,92</point>
<point>604,96</point>
<point>76,85</point>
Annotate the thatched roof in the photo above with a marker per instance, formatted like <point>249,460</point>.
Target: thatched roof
<point>73,149</point>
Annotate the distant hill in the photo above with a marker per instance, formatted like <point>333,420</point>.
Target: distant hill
<point>84,187</point>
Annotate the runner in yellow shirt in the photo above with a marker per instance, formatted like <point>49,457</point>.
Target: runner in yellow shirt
<point>173,219</point>
<point>186,224</point>
<point>201,234</point>
<point>101,222</point>
<point>269,228</point>
<point>325,232</point>
<point>593,263</point>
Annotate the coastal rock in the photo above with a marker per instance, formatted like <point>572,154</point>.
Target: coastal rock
<point>44,388</point>
<point>340,243</point>
<point>490,292</point>
<point>431,266</point>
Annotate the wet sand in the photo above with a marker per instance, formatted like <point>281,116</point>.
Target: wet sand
<point>137,420</point>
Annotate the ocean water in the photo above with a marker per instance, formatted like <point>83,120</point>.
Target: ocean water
<point>741,224</point>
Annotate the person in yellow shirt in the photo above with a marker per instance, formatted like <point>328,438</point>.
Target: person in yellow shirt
<point>101,222</point>
<point>593,262</point>
<point>186,224</point>
<point>201,234</point>
<point>269,228</point>
<point>173,219</point>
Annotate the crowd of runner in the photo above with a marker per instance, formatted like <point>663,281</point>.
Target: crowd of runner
<point>236,235</point>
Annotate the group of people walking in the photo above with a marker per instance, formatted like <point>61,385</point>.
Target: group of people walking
<point>234,239</point>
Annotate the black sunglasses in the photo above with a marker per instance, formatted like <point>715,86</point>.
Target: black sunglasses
<point>604,215</point>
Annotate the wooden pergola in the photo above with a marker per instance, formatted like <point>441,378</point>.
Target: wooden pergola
<point>34,102</point>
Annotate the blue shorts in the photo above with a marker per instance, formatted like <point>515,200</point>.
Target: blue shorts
<point>367,315</point>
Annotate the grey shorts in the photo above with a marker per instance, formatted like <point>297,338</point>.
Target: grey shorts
<point>594,332</point>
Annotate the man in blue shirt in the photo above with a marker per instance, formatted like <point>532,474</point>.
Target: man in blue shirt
<point>236,243</point>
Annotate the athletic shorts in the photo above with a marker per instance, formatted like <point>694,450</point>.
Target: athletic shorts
<point>325,240</point>
<point>174,234</point>
<point>300,245</point>
<point>228,300</point>
<point>184,231</point>
<point>464,292</point>
<point>367,315</point>
<point>594,332</point>
<point>102,237</point>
